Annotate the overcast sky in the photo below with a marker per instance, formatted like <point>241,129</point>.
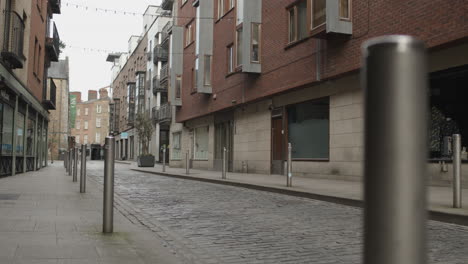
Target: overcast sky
<point>85,31</point>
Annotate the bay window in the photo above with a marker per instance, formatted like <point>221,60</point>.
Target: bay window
<point>255,43</point>
<point>297,17</point>
<point>318,13</point>
<point>207,70</point>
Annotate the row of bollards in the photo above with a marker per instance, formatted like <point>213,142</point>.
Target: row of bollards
<point>71,165</point>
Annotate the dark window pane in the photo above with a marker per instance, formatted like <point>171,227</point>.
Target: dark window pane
<point>318,12</point>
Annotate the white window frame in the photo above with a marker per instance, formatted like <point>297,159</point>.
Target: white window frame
<point>98,109</point>
<point>86,111</point>
<point>98,137</point>
<point>78,125</point>
<point>78,112</point>
<point>85,139</point>
<point>312,16</point>
<point>98,122</point>
<point>259,40</point>
<point>85,125</point>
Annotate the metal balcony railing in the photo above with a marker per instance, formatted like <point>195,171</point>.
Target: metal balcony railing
<point>164,113</point>
<point>50,95</point>
<point>166,30</point>
<point>164,73</point>
<point>159,87</point>
<point>55,6</point>
<point>167,4</point>
<point>53,44</point>
<point>160,54</point>
<point>13,44</point>
<point>154,114</point>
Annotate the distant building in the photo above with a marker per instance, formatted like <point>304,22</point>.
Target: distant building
<point>89,120</point>
<point>59,128</point>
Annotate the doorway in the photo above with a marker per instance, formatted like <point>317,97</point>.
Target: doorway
<point>277,142</point>
<point>224,139</point>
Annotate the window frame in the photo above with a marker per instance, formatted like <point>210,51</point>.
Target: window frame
<point>86,125</point>
<point>178,88</point>
<point>189,33</point>
<point>98,122</point>
<point>205,75</point>
<point>349,11</point>
<point>259,42</point>
<point>231,67</point>
<point>239,31</point>
<point>312,28</point>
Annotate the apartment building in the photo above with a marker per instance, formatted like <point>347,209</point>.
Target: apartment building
<point>59,129</point>
<point>30,43</point>
<point>91,121</point>
<point>255,75</point>
<point>140,85</point>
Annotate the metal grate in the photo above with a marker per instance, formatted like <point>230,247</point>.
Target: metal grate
<point>9,196</point>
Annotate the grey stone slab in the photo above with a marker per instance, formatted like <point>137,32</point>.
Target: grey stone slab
<point>50,252</point>
<point>116,251</point>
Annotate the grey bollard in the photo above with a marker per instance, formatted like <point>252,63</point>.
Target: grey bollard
<point>108,208</point>
<point>75,164</point>
<point>395,82</point>
<point>457,193</point>
<point>164,159</point>
<point>65,161</point>
<point>83,169</point>
<point>289,170</point>
<point>187,165</point>
<point>70,162</point>
<point>223,174</point>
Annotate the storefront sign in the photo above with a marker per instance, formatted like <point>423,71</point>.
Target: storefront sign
<point>124,135</point>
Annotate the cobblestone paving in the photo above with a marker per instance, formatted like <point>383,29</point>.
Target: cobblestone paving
<point>228,224</point>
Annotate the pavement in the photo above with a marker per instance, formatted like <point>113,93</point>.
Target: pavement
<point>337,191</point>
<point>44,219</point>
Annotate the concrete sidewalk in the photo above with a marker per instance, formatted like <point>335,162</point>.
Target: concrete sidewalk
<point>44,219</point>
<point>343,192</point>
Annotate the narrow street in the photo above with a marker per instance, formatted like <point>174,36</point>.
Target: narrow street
<point>228,224</point>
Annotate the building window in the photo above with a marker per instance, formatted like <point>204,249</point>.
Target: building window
<point>297,21</point>
<point>86,111</point>
<point>232,3</point>
<point>78,112</point>
<point>176,146</point>
<point>98,137</point>
<point>308,129</point>
<point>230,60</point>
<point>207,70</point>
<point>220,8</point>
<point>78,125</point>
<point>255,43</point>
<point>98,109</point>
<point>77,139</point>
<point>98,122</point>
<point>239,46</point>
<point>201,143</point>
<point>178,86</point>
<point>7,130</point>
<point>36,43</point>
<point>319,12</point>
<point>189,34</point>
<point>19,134</point>
<point>86,125</point>
<point>345,9</point>
<point>195,76</point>
<point>85,139</point>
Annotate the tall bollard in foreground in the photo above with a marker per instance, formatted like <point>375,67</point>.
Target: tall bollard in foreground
<point>108,214</point>
<point>289,171</point>
<point>457,194</point>
<point>65,161</point>
<point>164,159</point>
<point>223,174</point>
<point>187,165</point>
<point>83,169</point>
<point>75,164</point>
<point>396,106</point>
<point>70,162</point>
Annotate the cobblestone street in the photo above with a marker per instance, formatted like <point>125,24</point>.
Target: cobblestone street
<point>226,224</point>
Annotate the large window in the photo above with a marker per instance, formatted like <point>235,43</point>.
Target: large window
<point>255,43</point>
<point>20,134</point>
<point>239,46</point>
<point>30,137</point>
<point>298,21</point>
<point>176,146</point>
<point>308,129</point>
<point>319,13</point>
<point>201,143</point>
<point>7,130</point>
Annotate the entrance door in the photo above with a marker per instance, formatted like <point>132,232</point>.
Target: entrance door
<point>224,139</point>
<point>277,146</point>
<point>163,141</point>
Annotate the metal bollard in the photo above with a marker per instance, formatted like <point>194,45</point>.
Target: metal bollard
<point>70,162</point>
<point>83,169</point>
<point>457,194</point>
<point>289,170</point>
<point>396,106</point>
<point>187,165</point>
<point>108,208</point>
<point>223,174</point>
<point>65,161</point>
<point>164,159</point>
<point>75,164</point>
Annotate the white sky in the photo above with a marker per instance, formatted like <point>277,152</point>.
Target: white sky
<point>82,30</point>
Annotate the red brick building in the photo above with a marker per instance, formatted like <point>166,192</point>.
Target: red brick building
<point>257,74</point>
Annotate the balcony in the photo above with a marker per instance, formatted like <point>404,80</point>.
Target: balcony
<point>53,44</point>
<point>160,54</point>
<point>50,96</point>
<point>166,31</point>
<point>167,4</point>
<point>13,44</point>
<point>164,73</point>
<point>55,5</point>
<point>163,115</point>
<point>159,87</point>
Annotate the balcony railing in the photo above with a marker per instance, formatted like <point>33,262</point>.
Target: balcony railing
<point>167,4</point>
<point>50,96</point>
<point>55,6</point>
<point>164,114</point>
<point>154,114</point>
<point>164,74</point>
<point>53,44</point>
<point>166,30</point>
<point>160,54</point>
<point>13,40</point>
<point>159,87</point>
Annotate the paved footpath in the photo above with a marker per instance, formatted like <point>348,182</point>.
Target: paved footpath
<point>44,219</point>
<point>213,223</point>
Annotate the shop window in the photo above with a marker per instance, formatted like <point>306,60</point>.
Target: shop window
<point>201,143</point>
<point>7,130</point>
<point>297,16</point>
<point>30,137</point>
<point>176,146</point>
<point>308,129</point>
<point>20,134</point>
